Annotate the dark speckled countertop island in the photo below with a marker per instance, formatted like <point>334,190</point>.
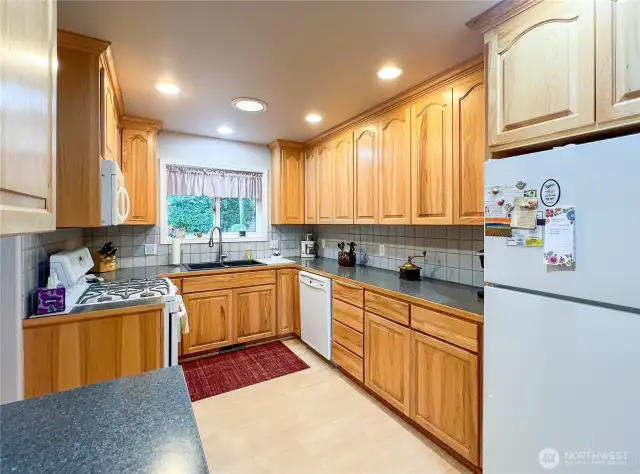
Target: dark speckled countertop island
<point>143,423</point>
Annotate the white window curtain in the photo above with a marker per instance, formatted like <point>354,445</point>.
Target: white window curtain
<point>215,183</point>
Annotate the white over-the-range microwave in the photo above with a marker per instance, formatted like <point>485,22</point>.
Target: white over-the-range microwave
<point>116,203</point>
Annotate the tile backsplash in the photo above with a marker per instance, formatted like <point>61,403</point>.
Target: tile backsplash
<point>451,250</point>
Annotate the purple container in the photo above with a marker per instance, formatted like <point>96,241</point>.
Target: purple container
<point>50,300</point>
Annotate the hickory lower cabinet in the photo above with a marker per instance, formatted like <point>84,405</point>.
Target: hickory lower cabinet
<point>69,351</point>
<point>444,393</point>
<point>288,301</point>
<point>255,313</point>
<point>210,321</point>
<point>387,352</point>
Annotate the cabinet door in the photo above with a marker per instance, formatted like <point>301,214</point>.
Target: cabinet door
<point>311,186</point>
<point>28,117</point>
<point>210,321</point>
<point>394,167</point>
<point>325,183</point>
<point>285,315</point>
<point>469,150</point>
<point>255,313</point>
<point>444,393</point>
<point>292,187</point>
<point>431,158</point>
<point>618,61</point>
<point>387,347</point>
<point>108,117</point>
<point>296,303</point>
<point>72,354</point>
<point>540,72</point>
<point>366,174</point>
<point>343,178</point>
<point>139,169</point>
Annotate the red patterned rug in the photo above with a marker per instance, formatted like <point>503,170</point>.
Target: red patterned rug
<point>225,372</point>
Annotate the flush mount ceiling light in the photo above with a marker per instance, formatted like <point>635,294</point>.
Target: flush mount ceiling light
<point>167,88</point>
<point>225,130</point>
<point>247,104</point>
<point>313,118</point>
<point>389,72</point>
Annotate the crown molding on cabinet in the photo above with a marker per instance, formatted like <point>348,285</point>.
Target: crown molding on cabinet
<point>499,13</point>
<point>442,79</point>
<point>141,123</point>
<point>279,143</point>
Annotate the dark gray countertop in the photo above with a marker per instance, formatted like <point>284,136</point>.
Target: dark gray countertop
<point>446,293</point>
<point>143,423</point>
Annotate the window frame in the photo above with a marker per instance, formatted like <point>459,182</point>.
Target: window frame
<point>262,208</point>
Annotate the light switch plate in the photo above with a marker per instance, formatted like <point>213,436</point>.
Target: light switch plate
<point>150,249</point>
<point>274,244</point>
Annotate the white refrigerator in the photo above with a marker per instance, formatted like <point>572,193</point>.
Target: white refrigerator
<point>561,389</point>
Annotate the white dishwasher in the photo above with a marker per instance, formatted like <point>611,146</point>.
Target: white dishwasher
<point>315,312</point>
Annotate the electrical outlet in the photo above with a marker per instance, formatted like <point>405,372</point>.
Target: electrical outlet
<point>274,244</point>
<point>381,250</point>
<point>323,244</point>
<point>150,249</point>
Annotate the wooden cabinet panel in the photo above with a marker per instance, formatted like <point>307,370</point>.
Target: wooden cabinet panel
<point>469,150</point>
<point>444,393</point>
<point>210,321</point>
<point>286,301</point>
<point>390,308</point>
<point>449,328</point>
<point>347,360</point>
<point>255,313</point>
<point>326,188</point>
<point>618,61</point>
<point>348,338</point>
<point>296,303</point>
<point>62,356</point>
<point>348,293</point>
<point>343,178</point>
<point>541,68</point>
<point>228,280</point>
<point>311,187</point>
<point>108,117</point>
<point>394,167</point>
<point>348,315</point>
<point>431,158</point>
<point>28,117</point>
<point>387,348</point>
<point>140,175</point>
<point>366,174</point>
<point>292,186</point>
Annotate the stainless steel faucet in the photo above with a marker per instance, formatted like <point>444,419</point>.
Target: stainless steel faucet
<point>220,254</point>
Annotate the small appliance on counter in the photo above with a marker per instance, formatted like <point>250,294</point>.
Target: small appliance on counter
<point>308,247</point>
<point>347,259</point>
<point>410,271</point>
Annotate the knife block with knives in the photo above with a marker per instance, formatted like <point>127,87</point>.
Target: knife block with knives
<point>105,258</point>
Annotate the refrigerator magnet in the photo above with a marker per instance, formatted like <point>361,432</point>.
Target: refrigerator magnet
<point>550,193</point>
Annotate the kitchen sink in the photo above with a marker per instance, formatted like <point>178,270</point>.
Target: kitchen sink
<point>192,267</point>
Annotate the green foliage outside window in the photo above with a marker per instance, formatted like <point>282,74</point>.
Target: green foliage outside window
<point>237,214</point>
<point>194,214</point>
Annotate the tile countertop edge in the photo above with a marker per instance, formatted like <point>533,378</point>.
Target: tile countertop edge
<point>472,309</point>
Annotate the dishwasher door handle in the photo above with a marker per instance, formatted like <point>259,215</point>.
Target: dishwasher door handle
<point>312,283</point>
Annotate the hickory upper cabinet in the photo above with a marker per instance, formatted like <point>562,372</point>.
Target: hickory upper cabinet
<point>431,158</point>
<point>540,73</point>
<point>617,62</point>
<point>343,178</point>
<point>394,167</point>
<point>287,182</point>
<point>311,186</point>
<point>27,147</point>
<point>326,185</point>
<point>365,184</point>
<point>139,137</point>
<point>469,149</point>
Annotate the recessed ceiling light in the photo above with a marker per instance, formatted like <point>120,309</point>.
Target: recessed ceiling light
<point>247,104</point>
<point>167,88</point>
<point>313,118</point>
<point>390,72</point>
<point>225,130</point>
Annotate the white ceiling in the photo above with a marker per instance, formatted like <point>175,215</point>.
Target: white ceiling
<point>299,57</point>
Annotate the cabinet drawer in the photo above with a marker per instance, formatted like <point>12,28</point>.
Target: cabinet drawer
<point>348,293</point>
<point>228,280</point>
<point>348,361</point>
<point>448,328</point>
<point>387,307</point>
<point>347,337</point>
<point>348,315</point>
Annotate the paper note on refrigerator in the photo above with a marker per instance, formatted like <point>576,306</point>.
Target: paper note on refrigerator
<point>524,211</point>
<point>559,236</point>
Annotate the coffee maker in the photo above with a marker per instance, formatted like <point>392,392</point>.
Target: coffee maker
<point>308,247</point>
